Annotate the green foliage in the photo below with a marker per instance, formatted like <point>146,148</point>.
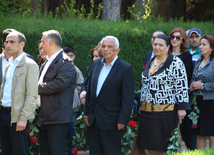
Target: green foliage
<point>175,144</point>
<point>196,152</point>
<point>140,14</point>
<point>134,37</point>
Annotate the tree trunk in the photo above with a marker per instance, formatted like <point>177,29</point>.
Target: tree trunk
<point>34,6</point>
<point>111,10</point>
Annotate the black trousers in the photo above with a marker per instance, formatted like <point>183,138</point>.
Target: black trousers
<point>52,139</point>
<point>12,142</point>
<point>104,142</point>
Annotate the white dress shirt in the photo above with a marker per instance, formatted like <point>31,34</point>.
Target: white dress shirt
<point>49,61</point>
<point>6,99</point>
<point>104,73</point>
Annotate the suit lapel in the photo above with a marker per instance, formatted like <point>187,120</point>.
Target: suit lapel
<point>111,74</point>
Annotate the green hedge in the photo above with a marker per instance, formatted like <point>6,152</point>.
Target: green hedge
<point>134,37</point>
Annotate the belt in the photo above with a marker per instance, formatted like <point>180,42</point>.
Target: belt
<point>150,107</point>
<point>6,109</point>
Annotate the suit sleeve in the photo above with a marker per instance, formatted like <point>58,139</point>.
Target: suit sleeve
<point>66,76</point>
<point>127,96</point>
<point>87,99</point>
<point>31,91</point>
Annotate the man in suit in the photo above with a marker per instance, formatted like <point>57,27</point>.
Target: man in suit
<point>18,96</point>
<point>56,89</point>
<point>151,54</point>
<point>109,99</point>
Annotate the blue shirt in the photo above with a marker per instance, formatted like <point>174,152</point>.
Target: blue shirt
<point>6,99</point>
<point>104,73</point>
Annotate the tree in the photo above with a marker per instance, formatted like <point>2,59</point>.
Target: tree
<point>111,10</point>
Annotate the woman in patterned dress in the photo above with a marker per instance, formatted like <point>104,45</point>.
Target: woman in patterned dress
<point>164,97</point>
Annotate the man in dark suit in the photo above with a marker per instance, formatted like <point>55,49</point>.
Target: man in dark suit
<point>151,54</point>
<point>56,89</point>
<point>109,99</point>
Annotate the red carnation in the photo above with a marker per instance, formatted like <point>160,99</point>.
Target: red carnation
<point>79,148</point>
<point>194,126</point>
<point>132,124</point>
<point>74,151</point>
<point>144,66</point>
<point>31,137</point>
<point>35,140</point>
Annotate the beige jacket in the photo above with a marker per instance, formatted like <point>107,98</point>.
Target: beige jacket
<point>24,90</point>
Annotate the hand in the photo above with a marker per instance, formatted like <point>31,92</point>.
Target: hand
<point>120,126</point>
<point>21,125</point>
<point>86,118</point>
<point>82,97</point>
<point>181,115</point>
<point>195,85</point>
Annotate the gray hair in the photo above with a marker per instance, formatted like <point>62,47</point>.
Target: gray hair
<point>111,37</point>
<point>54,36</point>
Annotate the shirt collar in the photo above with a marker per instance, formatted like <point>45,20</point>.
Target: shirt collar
<point>17,60</point>
<point>113,61</point>
<point>53,56</point>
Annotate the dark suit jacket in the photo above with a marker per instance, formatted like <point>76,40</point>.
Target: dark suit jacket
<point>148,56</point>
<point>114,103</point>
<point>57,91</point>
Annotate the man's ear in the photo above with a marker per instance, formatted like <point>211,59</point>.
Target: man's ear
<point>118,50</point>
<point>22,44</point>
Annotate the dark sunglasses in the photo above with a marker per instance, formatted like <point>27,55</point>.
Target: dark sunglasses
<point>172,37</point>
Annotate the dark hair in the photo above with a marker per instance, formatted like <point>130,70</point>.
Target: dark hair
<point>55,36</point>
<point>38,56</point>
<point>21,37</point>
<point>4,35</point>
<point>69,48</point>
<point>97,48</point>
<point>210,39</point>
<point>183,46</point>
<point>164,37</point>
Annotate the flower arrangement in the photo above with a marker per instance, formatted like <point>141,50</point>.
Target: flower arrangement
<point>128,137</point>
<point>194,115</point>
<point>33,133</point>
<point>80,138</point>
<point>174,139</point>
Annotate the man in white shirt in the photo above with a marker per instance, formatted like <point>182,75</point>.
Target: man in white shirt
<point>18,96</point>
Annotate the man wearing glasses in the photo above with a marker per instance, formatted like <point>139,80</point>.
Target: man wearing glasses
<point>195,41</point>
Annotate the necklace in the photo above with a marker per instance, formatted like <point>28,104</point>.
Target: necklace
<point>156,64</point>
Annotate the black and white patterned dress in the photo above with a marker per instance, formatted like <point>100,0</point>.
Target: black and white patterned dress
<point>168,85</point>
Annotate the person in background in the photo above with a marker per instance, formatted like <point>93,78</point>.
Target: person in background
<point>96,53</point>
<point>195,41</point>
<point>160,113</point>
<point>187,42</point>
<point>56,90</point>
<point>178,48</point>
<point>71,52</point>
<point>18,96</point>
<point>151,54</point>
<point>203,84</point>
<point>42,56</point>
<point>109,99</point>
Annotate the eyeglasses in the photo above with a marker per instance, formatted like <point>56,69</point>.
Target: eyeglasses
<point>172,37</point>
